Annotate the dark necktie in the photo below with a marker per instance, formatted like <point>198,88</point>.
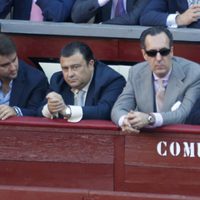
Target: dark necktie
<point>120,10</point>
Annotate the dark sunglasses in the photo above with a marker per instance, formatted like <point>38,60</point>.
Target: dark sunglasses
<point>162,52</point>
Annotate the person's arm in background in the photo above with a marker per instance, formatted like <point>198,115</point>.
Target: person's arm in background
<point>56,10</point>
<point>190,18</point>
<point>194,117</point>
<point>165,13</point>
<point>84,10</point>
<point>5,8</point>
<point>131,17</point>
<point>156,13</point>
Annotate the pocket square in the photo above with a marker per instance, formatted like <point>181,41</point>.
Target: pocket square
<point>176,106</point>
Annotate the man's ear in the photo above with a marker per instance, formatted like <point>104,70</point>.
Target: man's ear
<point>144,54</point>
<point>91,63</point>
<point>172,51</point>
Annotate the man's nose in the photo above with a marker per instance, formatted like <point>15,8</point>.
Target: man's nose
<point>70,72</point>
<point>12,66</point>
<point>158,56</point>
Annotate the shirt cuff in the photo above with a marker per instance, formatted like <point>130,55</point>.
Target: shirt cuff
<point>18,111</point>
<point>171,21</point>
<point>77,114</point>
<point>102,2</point>
<point>121,120</point>
<point>47,114</point>
<point>158,120</point>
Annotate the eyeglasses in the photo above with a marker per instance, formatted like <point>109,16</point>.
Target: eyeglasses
<point>162,52</point>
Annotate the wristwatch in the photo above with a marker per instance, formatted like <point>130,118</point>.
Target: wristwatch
<point>151,119</point>
<point>67,112</point>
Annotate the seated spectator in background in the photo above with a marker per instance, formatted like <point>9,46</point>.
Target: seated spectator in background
<point>161,90</point>
<point>194,117</point>
<point>22,87</point>
<point>173,14</point>
<point>37,10</point>
<point>85,89</point>
<point>121,12</point>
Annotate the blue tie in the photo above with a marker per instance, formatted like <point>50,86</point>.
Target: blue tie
<point>119,10</point>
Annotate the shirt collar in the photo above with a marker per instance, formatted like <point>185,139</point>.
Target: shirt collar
<point>10,84</point>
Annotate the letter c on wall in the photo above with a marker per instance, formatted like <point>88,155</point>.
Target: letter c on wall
<point>161,148</point>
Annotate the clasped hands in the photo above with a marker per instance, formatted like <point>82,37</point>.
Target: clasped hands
<point>191,15</point>
<point>134,121</point>
<point>55,103</point>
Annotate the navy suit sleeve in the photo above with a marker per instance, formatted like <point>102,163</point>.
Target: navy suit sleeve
<point>194,117</point>
<point>37,95</point>
<point>84,10</point>
<point>155,13</point>
<point>28,89</point>
<point>5,8</point>
<point>104,98</point>
<point>56,10</point>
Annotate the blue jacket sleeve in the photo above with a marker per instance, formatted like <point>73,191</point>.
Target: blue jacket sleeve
<point>56,10</point>
<point>104,99</point>
<point>5,8</point>
<point>155,13</point>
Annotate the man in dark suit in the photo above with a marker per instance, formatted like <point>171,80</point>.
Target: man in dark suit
<point>52,10</point>
<point>176,13</point>
<point>104,11</point>
<point>85,89</point>
<point>194,117</point>
<point>22,87</point>
<point>161,90</point>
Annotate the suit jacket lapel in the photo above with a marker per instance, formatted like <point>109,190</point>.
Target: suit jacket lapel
<point>18,88</point>
<point>106,11</point>
<point>146,89</point>
<point>91,95</point>
<point>129,5</point>
<point>68,96</point>
<point>173,87</point>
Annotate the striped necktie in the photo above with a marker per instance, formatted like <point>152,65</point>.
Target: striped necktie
<point>160,95</point>
<point>119,10</point>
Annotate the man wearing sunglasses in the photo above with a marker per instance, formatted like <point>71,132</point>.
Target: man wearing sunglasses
<point>159,91</point>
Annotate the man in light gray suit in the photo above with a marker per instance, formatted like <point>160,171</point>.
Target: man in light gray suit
<point>104,11</point>
<point>137,106</point>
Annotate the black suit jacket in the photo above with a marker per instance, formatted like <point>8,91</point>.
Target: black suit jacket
<point>194,117</point>
<point>28,89</point>
<point>84,10</point>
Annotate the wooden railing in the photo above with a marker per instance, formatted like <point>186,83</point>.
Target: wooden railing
<point>94,159</point>
<point>96,155</point>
